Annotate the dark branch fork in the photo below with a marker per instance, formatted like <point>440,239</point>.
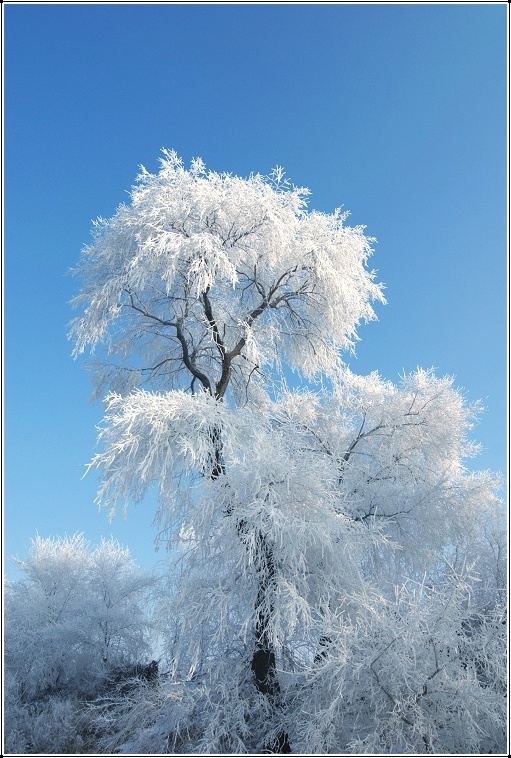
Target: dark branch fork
<point>271,299</point>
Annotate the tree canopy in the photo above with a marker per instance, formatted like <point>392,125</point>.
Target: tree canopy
<point>215,281</point>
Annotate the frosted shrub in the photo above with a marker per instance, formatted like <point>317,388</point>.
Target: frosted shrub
<point>75,615</point>
<point>408,676</point>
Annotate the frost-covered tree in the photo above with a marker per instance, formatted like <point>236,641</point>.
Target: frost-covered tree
<point>76,615</point>
<point>287,509</point>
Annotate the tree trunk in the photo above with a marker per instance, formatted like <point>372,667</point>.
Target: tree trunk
<point>263,658</point>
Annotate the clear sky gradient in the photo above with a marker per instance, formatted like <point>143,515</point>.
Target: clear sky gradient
<point>396,112</point>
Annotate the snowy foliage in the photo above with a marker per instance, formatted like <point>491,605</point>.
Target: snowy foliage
<point>75,616</point>
<point>337,573</point>
<point>372,517</point>
<point>371,467</point>
<point>423,672</point>
<point>192,242</point>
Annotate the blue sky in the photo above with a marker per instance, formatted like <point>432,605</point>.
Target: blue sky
<point>396,112</point>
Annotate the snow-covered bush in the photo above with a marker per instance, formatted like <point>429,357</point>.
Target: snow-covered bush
<point>422,673</point>
<point>76,614</point>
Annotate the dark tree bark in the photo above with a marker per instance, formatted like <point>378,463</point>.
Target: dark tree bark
<point>263,660</point>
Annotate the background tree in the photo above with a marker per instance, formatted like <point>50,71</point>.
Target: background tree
<point>288,509</point>
<point>75,616</point>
